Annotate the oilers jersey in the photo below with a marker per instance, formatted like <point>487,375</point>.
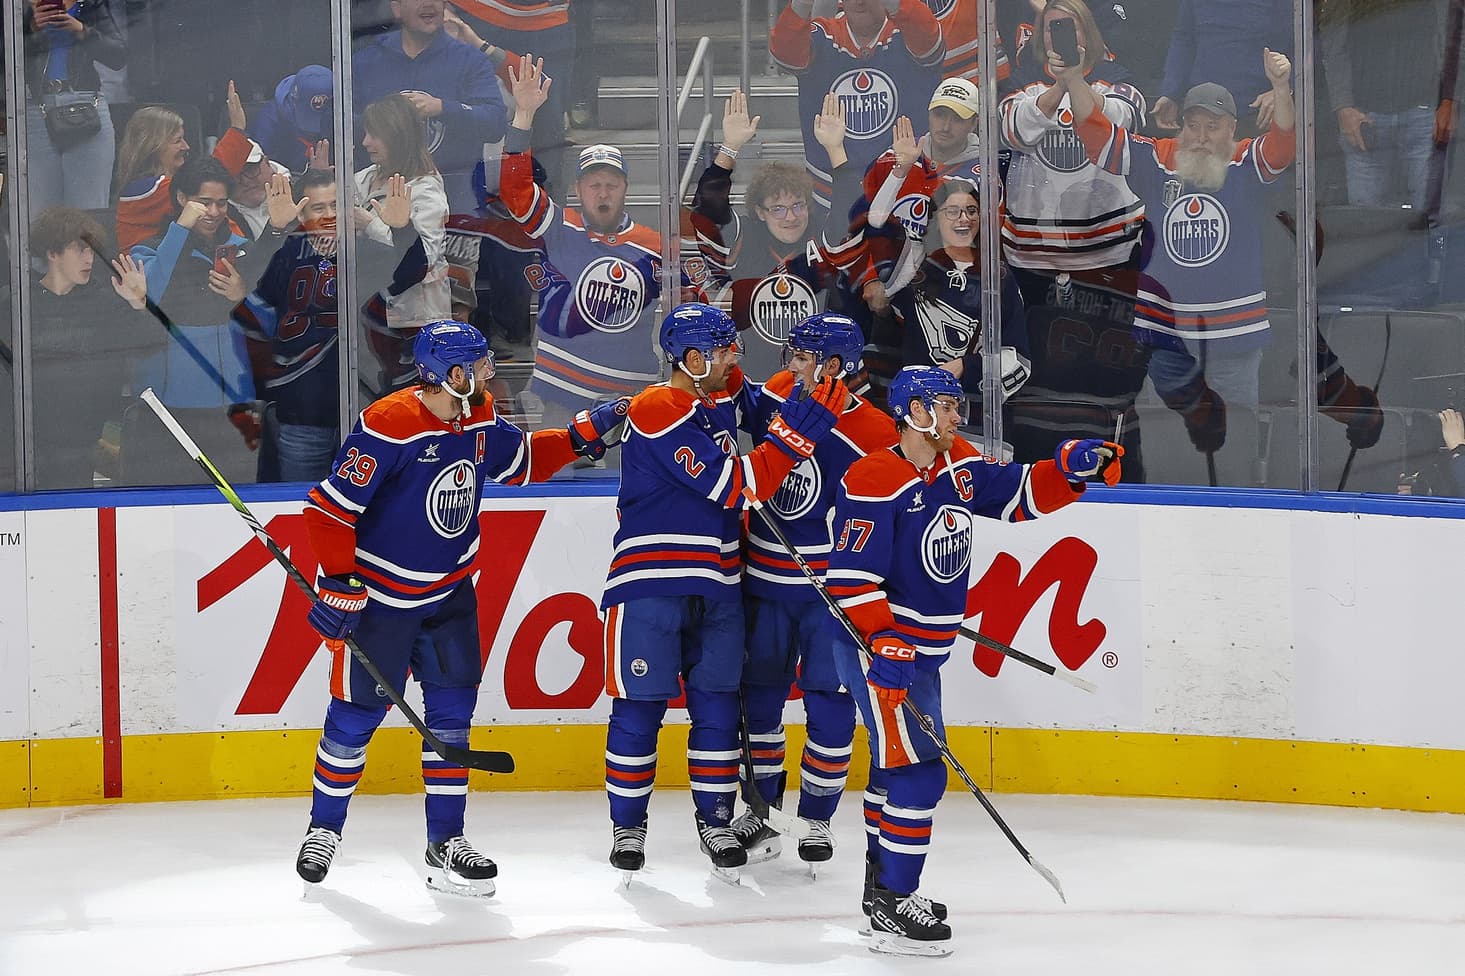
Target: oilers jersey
<point>400,508</point>
<point>891,76</point>
<point>903,537</point>
<point>958,20</point>
<point>681,493</point>
<point>597,293</point>
<point>803,501</point>
<point>1201,273</point>
<point>1063,212</point>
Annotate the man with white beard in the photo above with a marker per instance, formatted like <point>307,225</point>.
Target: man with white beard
<point>1201,298</point>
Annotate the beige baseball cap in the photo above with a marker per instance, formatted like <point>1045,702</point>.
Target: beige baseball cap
<point>959,95</point>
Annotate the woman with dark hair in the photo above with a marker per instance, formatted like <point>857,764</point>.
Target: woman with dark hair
<point>71,143</point>
<point>941,309</point>
<point>394,142</point>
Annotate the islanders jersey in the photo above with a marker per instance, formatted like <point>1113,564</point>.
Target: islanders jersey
<point>597,295</point>
<point>893,75</point>
<point>681,493</point>
<point>903,536</point>
<point>1201,261</point>
<point>803,501</point>
<point>1063,212</point>
<point>400,508</point>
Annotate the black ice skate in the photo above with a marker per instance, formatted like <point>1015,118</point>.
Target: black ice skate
<point>872,884</point>
<point>761,841</point>
<point>316,853</point>
<point>903,925</point>
<point>721,845</point>
<point>453,866</point>
<point>628,850</point>
<point>818,846</point>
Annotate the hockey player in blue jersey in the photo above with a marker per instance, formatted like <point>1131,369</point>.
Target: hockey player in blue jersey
<point>902,529</point>
<point>673,606</point>
<point>395,527</point>
<point>786,628</point>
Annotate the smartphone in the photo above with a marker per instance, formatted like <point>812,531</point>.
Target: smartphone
<point>1365,134</point>
<point>1065,40</point>
<point>222,253</point>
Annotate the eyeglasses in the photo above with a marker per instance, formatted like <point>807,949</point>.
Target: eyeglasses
<point>783,210</point>
<point>951,213</point>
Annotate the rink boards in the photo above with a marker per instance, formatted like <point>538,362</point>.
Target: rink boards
<point>1260,651</point>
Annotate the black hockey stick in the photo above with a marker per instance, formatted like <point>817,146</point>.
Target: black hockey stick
<point>788,824</point>
<point>925,723</point>
<point>1032,662</point>
<point>494,762</point>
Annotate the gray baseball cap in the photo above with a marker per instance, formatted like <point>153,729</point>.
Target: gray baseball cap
<point>1212,97</point>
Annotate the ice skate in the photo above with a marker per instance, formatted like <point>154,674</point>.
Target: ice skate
<point>761,841</point>
<point>628,851</point>
<point>818,847</point>
<point>316,853</point>
<point>721,845</point>
<point>903,925</point>
<point>454,867</point>
<point>872,884</point>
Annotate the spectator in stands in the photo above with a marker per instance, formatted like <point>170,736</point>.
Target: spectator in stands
<point>505,29</point>
<point>1216,41</point>
<point>249,208</point>
<point>958,20</point>
<point>941,309</point>
<point>394,143</point>
<point>153,148</point>
<point>868,54</point>
<point>71,143</point>
<point>1202,298</point>
<point>290,318</point>
<point>601,276</point>
<point>449,85</point>
<point>1394,78</point>
<point>775,262</point>
<point>78,328</point>
<point>295,128</point>
<point>1452,429</point>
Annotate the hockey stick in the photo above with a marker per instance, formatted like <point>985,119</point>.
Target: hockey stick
<point>925,723</point>
<point>494,762</point>
<point>781,821</point>
<point>1032,662</point>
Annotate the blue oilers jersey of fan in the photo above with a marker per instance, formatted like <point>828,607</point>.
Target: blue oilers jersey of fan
<point>400,508</point>
<point>903,536</point>
<point>803,502</point>
<point>1201,259</point>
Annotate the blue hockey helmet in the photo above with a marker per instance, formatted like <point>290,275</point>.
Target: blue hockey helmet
<point>696,325</point>
<point>440,346</point>
<point>924,383</point>
<point>830,334</point>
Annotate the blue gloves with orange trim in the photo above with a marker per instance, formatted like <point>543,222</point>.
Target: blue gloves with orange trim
<point>594,430</point>
<point>1089,460</point>
<point>892,667</point>
<point>337,607</point>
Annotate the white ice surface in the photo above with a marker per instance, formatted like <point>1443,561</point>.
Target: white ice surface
<point>1165,887</point>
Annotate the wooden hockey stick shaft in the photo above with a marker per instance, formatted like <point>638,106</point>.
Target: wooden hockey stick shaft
<point>494,762</point>
<point>928,726</point>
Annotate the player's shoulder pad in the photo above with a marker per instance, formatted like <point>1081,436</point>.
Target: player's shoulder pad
<point>658,409</point>
<point>879,477</point>
<point>867,427</point>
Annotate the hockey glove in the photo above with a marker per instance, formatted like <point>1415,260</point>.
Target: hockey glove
<point>892,667</point>
<point>1089,460</point>
<point>1365,420</point>
<point>246,420</point>
<point>802,421</point>
<point>1205,422</point>
<point>338,607</point>
<point>592,431</point>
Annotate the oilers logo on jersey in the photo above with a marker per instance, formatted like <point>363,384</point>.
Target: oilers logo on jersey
<point>869,100</point>
<point>1196,229</point>
<point>946,545</point>
<point>452,499</point>
<point>913,210</point>
<point>802,487</point>
<point>610,294</point>
<point>1061,149</point>
<point>778,303</point>
<point>941,7</point>
<point>948,332</point>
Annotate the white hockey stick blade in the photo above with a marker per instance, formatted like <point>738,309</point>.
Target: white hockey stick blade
<point>788,824</point>
<point>1076,681</point>
<point>1049,877</point>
